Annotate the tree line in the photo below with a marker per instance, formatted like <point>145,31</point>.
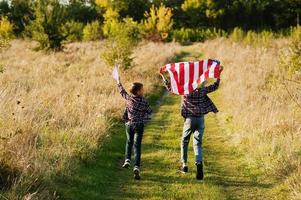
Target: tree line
<point>224,14</point>
<point>55,22</point>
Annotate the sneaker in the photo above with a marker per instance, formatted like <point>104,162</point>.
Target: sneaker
<point>200,171</point>
<point>137,173</point>
<point>127,164</point>
<point>184,168</point>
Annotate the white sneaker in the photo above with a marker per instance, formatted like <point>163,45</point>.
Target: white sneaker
<point>184,168</point>
<point>127,163</point>
<point>137,173</point>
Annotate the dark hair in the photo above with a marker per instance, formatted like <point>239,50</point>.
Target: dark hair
<point>136,87</point>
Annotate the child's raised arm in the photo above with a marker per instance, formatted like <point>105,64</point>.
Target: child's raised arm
<point>121,89</point>
<point>212,88</point>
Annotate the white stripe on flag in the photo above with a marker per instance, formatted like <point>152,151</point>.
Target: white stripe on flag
<point>177,68</point>
<point>196,75</point>
<point>173,83</point>
<point>186,78</point>
<point>205,66</point>
<point>212,68</point>
<point>202,78</point>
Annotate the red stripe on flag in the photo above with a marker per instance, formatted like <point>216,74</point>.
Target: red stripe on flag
<point>201,63</point>
<point>207,74</point>
<point>173,70</point>
<point>191,76</point>
<point>216,71</point>
<point>208,69</point>
<point>181,81</point>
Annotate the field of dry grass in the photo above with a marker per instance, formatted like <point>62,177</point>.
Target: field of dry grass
<point>56,107</point>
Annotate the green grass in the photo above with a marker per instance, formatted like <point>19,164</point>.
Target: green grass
<point>226,176</point>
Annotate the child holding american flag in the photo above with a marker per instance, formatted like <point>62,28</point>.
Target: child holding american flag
<point>185,78</point>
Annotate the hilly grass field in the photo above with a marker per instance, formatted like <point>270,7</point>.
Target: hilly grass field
<point>60,138</point>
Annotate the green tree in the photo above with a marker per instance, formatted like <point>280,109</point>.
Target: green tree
<point>47,28</point>
<point>6,32</point>
<point>92,31</point>
<point>122,39</point>
<point>73,30</point>
<point>158,23</point>
<point>4,8</point>
<point>83,11</point>
<point>21,14</point>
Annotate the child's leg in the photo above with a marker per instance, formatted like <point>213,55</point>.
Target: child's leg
<point>185,140</point>
<point>197,139</point>
<point>129,142</point>
<point>139,129</point>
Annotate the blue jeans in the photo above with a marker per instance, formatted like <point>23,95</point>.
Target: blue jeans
<point>195,126</point>
<point>134,133</point>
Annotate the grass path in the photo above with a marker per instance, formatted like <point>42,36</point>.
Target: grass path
<point>226,177</point>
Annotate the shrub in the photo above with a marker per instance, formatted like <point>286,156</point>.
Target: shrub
<point>73,31</point>
<point>122,38</point>
<point>158,23</point>
<point>92,31</point>
<point>295,33</point>
<point>252,37</point>
<point>6,32</point>
<point>290,59</point>
<point>237,34</point>
<point>188,35</point>
<point>47,26</point>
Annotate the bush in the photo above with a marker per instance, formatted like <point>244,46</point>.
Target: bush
<point>73,31</point>
<point>188,35</point>
<point>158,23</point>
<point>122,39</point>
<point>6,32</point>
<point>92,31</point>
<point>237,35</point>
<point>295,33</point>
<point>290,59</point>
<point>47,28</point>
<point>252,37</point>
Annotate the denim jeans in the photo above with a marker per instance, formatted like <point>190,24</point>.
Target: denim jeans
<point>134,133</point>
<point>195,126</point>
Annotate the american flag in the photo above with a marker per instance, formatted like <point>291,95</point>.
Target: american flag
<point>185,77</point>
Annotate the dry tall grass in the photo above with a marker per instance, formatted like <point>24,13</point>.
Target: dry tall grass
<point>57,106</point>
<point>262,106</point>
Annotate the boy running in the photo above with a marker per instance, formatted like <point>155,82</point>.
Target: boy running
<point>194,106</point>
<point>136,112</point>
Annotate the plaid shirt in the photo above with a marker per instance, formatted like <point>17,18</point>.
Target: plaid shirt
<point>198,103</point>
<point>137,108</point>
